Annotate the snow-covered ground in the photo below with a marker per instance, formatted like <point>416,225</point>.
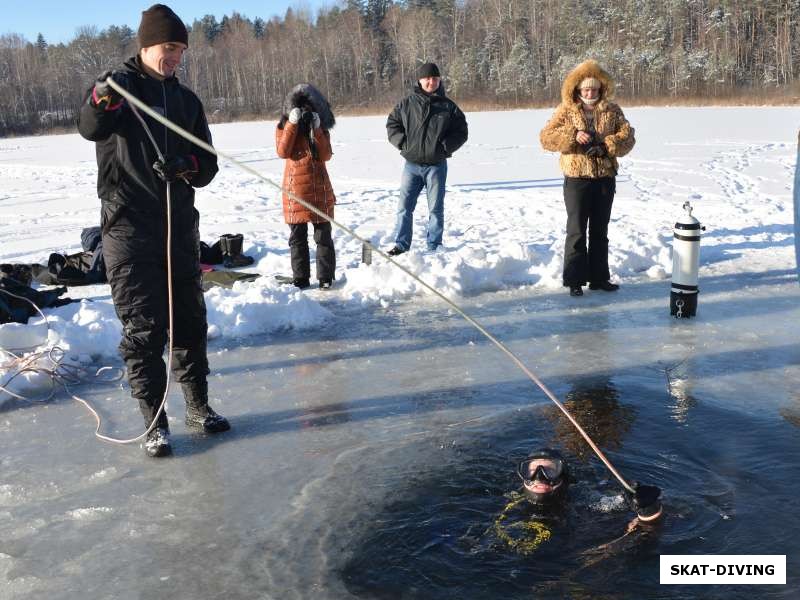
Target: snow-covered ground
<point>504,214</point>
<point>359,431</point>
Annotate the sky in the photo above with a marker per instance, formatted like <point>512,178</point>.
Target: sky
<point>58,20</point>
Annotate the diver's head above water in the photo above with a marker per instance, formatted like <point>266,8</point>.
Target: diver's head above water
<point>544,476</point>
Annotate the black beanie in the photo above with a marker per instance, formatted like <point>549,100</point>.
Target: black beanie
<point>428,70</point>
<point>160,25</point>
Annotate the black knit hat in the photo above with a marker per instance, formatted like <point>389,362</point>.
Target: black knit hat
<point>160,25</point>
<point>428,70</point>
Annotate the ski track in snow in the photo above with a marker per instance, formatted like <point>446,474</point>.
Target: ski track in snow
<point>504,214</point>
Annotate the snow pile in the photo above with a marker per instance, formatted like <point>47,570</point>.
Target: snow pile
<point>261,306</point>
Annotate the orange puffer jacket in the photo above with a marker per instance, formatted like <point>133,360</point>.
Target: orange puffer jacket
<point>303,176</point>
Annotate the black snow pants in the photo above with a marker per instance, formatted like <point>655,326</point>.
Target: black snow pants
<point>587,201</point>
<point>326,255</point>
<point>134,248</point>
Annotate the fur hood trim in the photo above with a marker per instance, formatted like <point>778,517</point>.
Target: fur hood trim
<point>305,94</point>
<point>589,68</point>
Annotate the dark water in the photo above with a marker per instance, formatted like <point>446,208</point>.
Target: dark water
<point>728,482</point>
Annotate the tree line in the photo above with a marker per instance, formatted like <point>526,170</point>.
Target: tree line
<point>363,54</point>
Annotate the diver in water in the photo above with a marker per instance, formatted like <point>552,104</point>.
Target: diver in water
<point>545,479</point>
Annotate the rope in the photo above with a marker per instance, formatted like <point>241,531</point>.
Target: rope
<point>66,374</point>
<point>209,148</point>
<point>54,368</point>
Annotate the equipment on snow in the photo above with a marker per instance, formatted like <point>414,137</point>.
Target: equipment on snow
<point>685,265</point>
<point>231,247</point>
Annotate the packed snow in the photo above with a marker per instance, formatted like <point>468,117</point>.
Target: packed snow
<point>504,215</point>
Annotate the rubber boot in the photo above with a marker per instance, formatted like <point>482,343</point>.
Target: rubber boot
<point>232,256</point>
<point>223,246</point>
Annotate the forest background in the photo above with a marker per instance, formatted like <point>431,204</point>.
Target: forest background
<point>493,54</point>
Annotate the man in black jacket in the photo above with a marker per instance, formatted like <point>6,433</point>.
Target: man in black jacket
<point>132,184</point>
<point>427,127</point>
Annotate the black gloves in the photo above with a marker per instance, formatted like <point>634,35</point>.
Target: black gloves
<point>175,167</point>
<point>645,500</point>
<point>307,118</point>
<point>597,150</point>
<point>103,92</point>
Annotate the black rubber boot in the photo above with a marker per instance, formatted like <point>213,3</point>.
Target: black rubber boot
<point>156,444</point>
<point>232,256</point>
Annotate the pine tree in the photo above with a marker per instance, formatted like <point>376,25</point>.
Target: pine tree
<point>518,75</point>
<point>41,44</point>
<point>258,28</point>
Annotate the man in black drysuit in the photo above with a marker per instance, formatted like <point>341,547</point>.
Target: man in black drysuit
<point>132,185</point>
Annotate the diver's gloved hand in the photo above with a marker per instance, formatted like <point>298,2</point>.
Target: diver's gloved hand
<point>175,167</point>
<point>645,500</point>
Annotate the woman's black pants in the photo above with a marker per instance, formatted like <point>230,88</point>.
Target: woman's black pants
<point>326,256</point>
<point>588,202</point>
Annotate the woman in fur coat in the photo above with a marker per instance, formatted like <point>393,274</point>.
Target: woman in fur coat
<point>303,138</point>
<point>590,132</point>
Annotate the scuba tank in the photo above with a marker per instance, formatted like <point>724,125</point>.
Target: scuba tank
<point>685,265</point>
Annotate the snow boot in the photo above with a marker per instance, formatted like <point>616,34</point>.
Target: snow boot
<point>606,286</point>
<point>204,418</point>
<point>231,246</point>
<point>301,283</point>
<point>156,444</point>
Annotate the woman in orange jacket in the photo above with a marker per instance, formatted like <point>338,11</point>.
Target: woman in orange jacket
<point>303,139</point>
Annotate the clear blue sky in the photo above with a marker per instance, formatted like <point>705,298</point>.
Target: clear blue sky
<point>57,20</point>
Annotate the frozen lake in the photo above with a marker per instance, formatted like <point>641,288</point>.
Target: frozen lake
<point>375,434</point>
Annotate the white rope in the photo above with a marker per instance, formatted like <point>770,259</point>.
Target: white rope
<point>67,374</point>
<point>54,369</point>
<point>532,376</point>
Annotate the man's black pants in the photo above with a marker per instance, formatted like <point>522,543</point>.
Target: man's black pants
<point>134,251</point>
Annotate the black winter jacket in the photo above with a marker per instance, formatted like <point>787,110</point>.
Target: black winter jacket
<point>427,128</point>
<point>125,155</point>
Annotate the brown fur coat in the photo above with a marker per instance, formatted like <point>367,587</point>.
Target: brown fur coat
<point>610,124</point>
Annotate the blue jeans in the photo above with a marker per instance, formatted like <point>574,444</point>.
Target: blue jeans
<point>415,177</point>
